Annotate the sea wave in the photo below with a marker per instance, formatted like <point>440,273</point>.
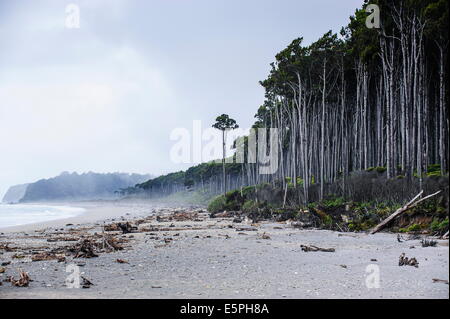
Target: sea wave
<point>16,215</point>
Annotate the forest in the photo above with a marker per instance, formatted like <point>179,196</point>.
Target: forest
<point>361,115</point>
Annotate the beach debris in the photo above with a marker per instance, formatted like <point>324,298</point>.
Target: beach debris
<point>85,249</point>
<point>2,270</point>
<point>306,248</point>
<point>428,242</point>
<point>55,239</point>
<point>223,214</point>
<point>445,236</point>
<point>86,283</point>
<point>23,281</point>
<point>6,263</point>
<point>343,266</point>
<point>48,256</point>
<point>373,259</point>
<point>405,261</point>
<point>162,219</point>
<point>126,227</point>
<point>110,243</point>
<point>111,227</point>
<point>156,287</point>
<point>246,229</point>
<point>440,280</point>
<point>264,236</point>
<point>6,247</point>
<point>399,238</point>
<point>414,202</point>
<point>122,261</point>
<point>183,216</point>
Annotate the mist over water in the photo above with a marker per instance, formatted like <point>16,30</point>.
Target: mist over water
<point>16,215</point>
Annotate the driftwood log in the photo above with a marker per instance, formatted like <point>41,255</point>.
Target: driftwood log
<point>306,248</point>
<point>413,203</point>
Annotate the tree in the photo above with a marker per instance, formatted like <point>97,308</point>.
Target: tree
<point>224,123</point>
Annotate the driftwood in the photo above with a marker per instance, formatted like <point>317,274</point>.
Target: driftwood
<point>23,281</point>
<point>315,248</point>
<point>428,243</point>
<point>440,280</point>
<point>414,202</point>
<point>445,236</point>
<point>405,261</point>
<point>86,283</point>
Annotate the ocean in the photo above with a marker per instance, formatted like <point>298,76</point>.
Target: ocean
<point>15,215</point>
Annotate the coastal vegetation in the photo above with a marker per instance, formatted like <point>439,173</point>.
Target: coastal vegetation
<point>362,127</point>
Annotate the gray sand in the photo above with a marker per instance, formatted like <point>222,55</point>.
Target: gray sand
<point>225,263</point>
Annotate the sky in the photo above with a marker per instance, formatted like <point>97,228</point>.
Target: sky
<point>107,95</point>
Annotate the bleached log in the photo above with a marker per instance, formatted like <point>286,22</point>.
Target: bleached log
<point>412,203</point>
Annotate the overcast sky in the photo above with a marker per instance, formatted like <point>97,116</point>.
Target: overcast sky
<point>106,96</point>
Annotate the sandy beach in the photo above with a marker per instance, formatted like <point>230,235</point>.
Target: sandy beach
<point>183,253</point>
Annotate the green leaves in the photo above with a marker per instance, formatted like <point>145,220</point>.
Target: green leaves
<point>224,122</point>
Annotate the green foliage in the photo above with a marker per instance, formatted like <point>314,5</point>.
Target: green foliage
<point>434,170</point>
<point>411,228</point>
<point>439,226</point>
<point>327,220</point>
<point>249,206</point>
<point>334,202</point>
<point>224,122</point>
<point>218,204</point>
<point>378,169</point>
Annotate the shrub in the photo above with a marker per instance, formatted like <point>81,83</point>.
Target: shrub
<point>335,202</point>
<point>249,206</point>
<point>217,204</point>
<point>411,228</point>
<point>380,169</point>
<point>438,226</point>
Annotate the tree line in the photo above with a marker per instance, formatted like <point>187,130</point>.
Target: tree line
<point>353,101</point>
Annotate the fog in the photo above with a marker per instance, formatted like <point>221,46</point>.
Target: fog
<point>106,96</point>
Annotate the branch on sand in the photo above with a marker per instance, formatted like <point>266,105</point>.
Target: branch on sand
<point>23,281</point>
<point>315,248</point>
<point>413,203</point>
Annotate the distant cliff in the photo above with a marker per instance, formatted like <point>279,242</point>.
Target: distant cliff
<point>74,186</point>
<point>15,193</point>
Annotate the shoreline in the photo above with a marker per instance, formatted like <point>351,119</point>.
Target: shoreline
<point>94,211</point>
<point>183,253</point>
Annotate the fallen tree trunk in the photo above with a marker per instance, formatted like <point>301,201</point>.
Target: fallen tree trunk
<point>414,202</point>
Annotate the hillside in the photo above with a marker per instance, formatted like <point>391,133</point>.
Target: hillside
<point>15,193</point>
<point>86,186</point>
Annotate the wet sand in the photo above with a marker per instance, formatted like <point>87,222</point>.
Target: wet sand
<point>202,257</point>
